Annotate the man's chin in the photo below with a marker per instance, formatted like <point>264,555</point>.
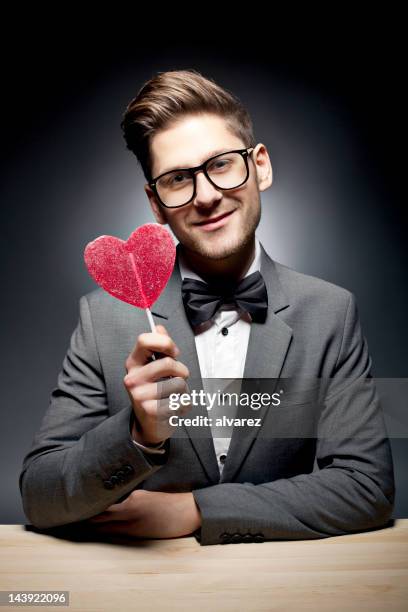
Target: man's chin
<point>216,249</point>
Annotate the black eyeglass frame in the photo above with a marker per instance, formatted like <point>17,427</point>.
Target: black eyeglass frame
<point>245,154</point>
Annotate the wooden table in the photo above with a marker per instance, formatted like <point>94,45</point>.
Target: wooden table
<point>366,571</point>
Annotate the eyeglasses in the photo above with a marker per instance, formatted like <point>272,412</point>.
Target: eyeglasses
<point>227,170</point>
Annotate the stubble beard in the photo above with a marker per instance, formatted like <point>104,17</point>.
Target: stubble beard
<point>227,247</point>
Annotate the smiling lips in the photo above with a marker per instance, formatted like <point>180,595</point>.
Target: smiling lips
<point>215,222</point>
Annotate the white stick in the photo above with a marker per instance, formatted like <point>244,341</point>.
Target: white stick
<point>152,326</point>
<point>149,316</point>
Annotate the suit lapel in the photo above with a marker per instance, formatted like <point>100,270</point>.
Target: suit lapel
<point>267,348</point>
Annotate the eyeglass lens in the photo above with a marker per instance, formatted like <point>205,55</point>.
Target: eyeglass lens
<point>226,171</point>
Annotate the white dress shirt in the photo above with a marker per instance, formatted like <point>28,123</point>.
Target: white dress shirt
<point>220,355</point>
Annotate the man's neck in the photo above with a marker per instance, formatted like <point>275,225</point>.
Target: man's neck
<point>233,267</point>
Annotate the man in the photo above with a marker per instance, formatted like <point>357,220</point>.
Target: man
<point>107,457</point>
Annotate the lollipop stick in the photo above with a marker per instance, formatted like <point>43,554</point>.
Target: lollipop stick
<point>150,317</point>
<point>152,326</point>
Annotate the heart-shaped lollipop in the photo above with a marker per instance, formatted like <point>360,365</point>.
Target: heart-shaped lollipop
<point>136,270</point>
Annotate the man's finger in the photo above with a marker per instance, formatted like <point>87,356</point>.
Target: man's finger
<point>149,343</point>
<point>113,509</point>
<point>153,371</point>
<point>156,390</point>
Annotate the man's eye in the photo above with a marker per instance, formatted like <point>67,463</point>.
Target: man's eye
<point>220,164</point>
<point>176,178</point>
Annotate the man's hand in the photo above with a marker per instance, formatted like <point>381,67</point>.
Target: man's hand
<point>150,398</point>
<point>150,514</point>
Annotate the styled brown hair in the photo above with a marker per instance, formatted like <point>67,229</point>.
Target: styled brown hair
<point>169,95</point>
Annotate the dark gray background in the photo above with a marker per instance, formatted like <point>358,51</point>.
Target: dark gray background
<point>331,114</point>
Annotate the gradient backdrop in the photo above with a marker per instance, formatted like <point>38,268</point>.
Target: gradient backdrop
<point>331,116</point>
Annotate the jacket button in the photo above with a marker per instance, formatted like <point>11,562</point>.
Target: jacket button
<point>259,537</point>
<point>225,538</point>
<point>236,538</point>
<point>115,479</point>
<point>121,475</point>
<point>108,484</point>
<point>247,538</point>
<point>128,469</point>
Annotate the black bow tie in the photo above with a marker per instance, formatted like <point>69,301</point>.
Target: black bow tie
<point>201,300</point>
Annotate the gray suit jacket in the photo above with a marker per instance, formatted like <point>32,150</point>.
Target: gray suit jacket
<point>304,483</point>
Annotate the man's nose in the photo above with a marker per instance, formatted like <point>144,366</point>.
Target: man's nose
<point>206,193</point>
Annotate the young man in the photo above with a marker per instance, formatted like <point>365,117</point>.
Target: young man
<point>107,456</point>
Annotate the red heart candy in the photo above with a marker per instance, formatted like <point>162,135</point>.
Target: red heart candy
<point>136,270</point>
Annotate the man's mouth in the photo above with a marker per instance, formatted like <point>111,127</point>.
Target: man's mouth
<point>214,222</point>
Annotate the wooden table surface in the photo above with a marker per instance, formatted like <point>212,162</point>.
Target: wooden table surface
<point>366,571</point>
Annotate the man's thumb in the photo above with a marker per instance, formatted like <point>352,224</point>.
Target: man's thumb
<point>162,330</point>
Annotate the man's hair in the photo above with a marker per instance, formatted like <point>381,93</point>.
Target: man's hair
<point>166,98</point>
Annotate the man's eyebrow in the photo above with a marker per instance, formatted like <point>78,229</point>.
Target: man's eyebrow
<point>208,155</point>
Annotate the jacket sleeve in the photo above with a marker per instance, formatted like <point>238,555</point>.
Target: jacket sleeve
<point>351,487</point>
<point>83,458</point>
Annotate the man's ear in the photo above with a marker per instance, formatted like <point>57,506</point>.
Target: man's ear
<point>156,208</point>
<point>263,167</point>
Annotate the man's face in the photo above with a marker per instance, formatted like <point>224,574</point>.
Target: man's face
<point>187,143</point>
